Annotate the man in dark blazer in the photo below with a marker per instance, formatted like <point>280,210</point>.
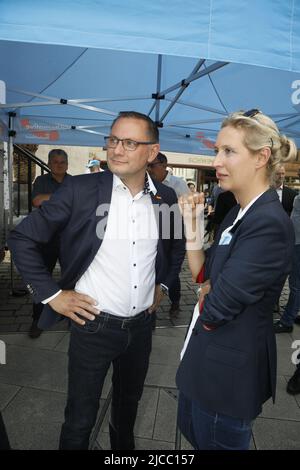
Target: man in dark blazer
<point>110,282</point>
<point>286,195</point>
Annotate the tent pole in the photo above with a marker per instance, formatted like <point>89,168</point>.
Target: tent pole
<point>158,86</point>
<point>11,134</point>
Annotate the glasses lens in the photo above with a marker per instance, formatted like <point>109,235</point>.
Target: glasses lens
<point>130,144</point>
<point>111,142</point>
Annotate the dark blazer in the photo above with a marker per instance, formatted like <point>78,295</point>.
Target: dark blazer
<point>74,212</point>
<point>288,196</point>
<point>232,368</point>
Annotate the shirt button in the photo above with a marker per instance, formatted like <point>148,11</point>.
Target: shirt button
<point>134,264</point>
<point>133,308</point>
<point>133,221</point>
<point>133,243</point>
<point>135,287</point>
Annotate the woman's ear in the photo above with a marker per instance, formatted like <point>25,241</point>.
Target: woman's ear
<point>263,157</point>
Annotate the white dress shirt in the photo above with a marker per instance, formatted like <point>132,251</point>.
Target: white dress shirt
<point>122,275</point>
<point>279,192</point>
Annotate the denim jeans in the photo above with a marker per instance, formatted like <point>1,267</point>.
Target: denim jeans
<point>107,339</point>
<point>207,430</point>
<point>292,308</point>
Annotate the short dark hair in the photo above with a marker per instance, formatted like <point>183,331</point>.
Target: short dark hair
<point>57,152</point>
<point>161,158</point>
<point>152,127</point>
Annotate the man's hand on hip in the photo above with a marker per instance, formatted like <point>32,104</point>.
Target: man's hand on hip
<point>70,303</point>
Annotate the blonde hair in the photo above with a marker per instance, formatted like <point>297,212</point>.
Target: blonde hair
<point>261,131</point>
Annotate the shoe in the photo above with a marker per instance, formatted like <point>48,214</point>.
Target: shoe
<point>293,385</point>
<point>174,310</point>
<point>282,328</point>
<point>34,331</point>
<point>297,320</point>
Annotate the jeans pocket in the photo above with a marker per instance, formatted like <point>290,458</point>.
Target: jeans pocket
<point>90,326</point>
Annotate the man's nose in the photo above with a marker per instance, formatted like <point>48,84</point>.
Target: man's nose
<point>119,148</point>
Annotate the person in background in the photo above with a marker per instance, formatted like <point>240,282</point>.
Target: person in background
<point>158,171</point>
<point>191,186</point>
<point>228,367</point>
<point>117,263</point>
<point>225,202</point>
<point>289,316</point>
<point>94,166</point>
<point>286,195</point>
<point>43,188</point>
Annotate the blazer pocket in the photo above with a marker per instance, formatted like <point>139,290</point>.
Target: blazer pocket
<point>226,356</point>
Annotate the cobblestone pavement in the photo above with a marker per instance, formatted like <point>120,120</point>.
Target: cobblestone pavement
<point>33,381</point>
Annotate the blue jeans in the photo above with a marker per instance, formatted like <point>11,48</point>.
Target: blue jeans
<point>212,431</point>
<point>93,347</point>
<point>292,308</point>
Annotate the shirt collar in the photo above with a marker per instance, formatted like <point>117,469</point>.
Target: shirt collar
<point>148,185</point>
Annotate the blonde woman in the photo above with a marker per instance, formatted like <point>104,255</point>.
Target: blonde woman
<point>228,369</point>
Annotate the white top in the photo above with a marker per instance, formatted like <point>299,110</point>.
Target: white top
<point>178,184</point>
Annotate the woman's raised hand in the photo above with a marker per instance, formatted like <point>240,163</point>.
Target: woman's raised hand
<point>191,205</point>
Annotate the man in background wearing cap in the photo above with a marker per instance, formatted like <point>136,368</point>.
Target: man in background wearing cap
<point>94,166</point>
<point>158,170</point>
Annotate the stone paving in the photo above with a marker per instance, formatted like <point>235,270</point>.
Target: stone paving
<point>34,379</point>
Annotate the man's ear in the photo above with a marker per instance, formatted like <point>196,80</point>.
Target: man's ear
<point>263,157</point>
<point>153,152</point>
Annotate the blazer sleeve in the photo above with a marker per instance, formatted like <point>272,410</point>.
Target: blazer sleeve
<point>260,255</point>
<point>37,229</point>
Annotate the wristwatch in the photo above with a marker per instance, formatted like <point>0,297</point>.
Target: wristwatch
<point>164,289</point>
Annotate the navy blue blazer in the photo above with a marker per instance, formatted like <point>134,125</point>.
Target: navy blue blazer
<point>231,369</point>
<point>72,213</point>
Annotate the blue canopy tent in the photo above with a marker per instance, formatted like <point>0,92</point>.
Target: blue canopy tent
<point>69,67</point>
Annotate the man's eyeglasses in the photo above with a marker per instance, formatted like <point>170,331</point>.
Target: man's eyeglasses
<point>251,113</point>
<point>128,144</point>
